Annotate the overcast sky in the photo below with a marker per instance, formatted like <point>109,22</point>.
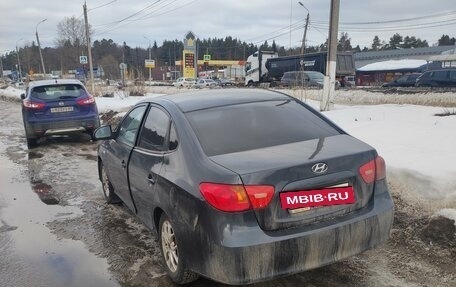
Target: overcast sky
<point>248,20</point>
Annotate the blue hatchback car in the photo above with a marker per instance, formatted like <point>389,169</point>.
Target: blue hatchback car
<point>57,107</point>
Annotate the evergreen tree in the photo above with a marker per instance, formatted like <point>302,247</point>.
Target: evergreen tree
<point>376,44</point>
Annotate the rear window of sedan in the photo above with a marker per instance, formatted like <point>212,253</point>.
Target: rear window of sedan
<point>53,92</point>
<point>243,127</point>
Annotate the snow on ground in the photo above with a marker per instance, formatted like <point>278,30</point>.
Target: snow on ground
<point>409,137</point>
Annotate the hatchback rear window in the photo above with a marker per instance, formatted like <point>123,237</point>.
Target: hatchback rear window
<point>54,92</point>
<point>256,125</point>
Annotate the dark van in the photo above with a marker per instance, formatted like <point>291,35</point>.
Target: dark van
<point>437,78</point>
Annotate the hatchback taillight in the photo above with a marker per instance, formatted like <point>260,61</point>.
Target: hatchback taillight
<point>236,197</point>
<point>30,105</point>
<point>373,170</point>
<point>86,101</point>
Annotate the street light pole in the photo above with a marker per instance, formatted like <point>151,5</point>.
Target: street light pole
<point>39,47</point>
<point>303,45</point>
<point>89,47</point>
<point>150,58</point>
<point>19,62</point>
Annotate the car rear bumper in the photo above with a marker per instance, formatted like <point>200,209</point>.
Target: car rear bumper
<point>40,128</point>
<point>250,255</point>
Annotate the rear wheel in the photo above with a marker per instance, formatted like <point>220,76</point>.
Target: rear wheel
<point>31,143</point>
<point>108,190</point>
<point>172,256</point>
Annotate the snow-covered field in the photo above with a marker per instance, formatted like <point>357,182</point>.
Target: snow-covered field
<point>417,145</point>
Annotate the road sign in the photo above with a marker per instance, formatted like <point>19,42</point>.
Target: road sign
<point>123,66</point>
<point>83,59</point>
<point>207,58</point>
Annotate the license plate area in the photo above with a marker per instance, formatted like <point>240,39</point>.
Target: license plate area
<point>304,200</point>
<point>61,109</point>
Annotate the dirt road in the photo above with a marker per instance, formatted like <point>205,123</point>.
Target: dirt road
<point>56,230</point>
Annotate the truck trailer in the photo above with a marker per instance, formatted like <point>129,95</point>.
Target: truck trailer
<point>268,67</point>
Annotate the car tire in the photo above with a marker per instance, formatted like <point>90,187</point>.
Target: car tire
<point>31,143</point>
<point>171,257</point>
<point>108,191</point>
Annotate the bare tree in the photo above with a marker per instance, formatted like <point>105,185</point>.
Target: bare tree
<point>71,31</point>
<point>71,41</point>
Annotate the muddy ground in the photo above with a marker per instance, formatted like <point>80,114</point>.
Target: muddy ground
<point>51,201</point>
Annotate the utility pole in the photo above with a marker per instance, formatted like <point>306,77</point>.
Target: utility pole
<point>39,47</point>
<point>1,65</point>
<point>89,47</point>
<point>150,69</point>
<point>303,45</point>
<point>330,78</point>
<point>19,62</point>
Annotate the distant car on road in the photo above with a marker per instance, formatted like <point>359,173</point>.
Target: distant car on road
<point>237,191</point>
<point>408,80</point>
<point>57,107</point>
<point>184,82</point>
<point>224,82</point>
<point>437,78</point>
<point>302,78</point>
<point>205,83</point>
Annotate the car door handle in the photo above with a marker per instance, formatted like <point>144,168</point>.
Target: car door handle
<point>151,179</point>
<point>124,164</point>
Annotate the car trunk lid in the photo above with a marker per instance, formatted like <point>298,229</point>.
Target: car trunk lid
<point>289,169</point>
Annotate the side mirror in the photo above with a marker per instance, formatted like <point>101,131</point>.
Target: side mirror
<point>103,133</point>
<point>22,96</point>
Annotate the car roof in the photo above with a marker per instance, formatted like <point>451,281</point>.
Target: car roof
<point>199,100</point>
<point>33,84</point>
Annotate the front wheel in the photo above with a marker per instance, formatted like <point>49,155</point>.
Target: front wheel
<point>171,255</point>
<point>108,190</point>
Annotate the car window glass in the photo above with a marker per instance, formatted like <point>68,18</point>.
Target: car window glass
<point>173,142</point>
<point>154,132</point>
<point>55,92</point>
<point>130,125</point>
<point>256,125</point>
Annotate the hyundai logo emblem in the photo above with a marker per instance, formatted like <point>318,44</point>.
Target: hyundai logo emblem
<point>61,103</point>
<point>320,168</point>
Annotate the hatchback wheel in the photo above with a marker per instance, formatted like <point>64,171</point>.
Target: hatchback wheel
<point>108,190</point>
<point>171,255</point>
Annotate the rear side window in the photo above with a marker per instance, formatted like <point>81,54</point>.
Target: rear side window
<point>56,92</point>
<point>256,125</point>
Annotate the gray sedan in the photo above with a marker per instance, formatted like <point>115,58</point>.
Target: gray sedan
<point>245,185</point>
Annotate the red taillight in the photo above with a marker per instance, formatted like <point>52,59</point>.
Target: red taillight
<point>373,170</point>
<point>260,195</point>
<point>236,197</point>
<point>33,105</point>
<point>86,101</point>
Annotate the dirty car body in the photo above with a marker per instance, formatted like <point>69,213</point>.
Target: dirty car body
<point>252,182</point>
<point>57,107</point>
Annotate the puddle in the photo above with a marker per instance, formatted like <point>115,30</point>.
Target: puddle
<point>31,254</point>
<point>44,192</point>
<point>34,155</point>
